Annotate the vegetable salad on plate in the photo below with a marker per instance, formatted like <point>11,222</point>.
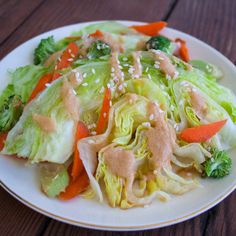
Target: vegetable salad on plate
<point>119,114</point>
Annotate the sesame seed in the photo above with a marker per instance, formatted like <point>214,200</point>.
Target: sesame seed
<point>93,132</point>
<point>112,69</point>
<point>147,124</point>
<point>69,50</point>
<point>176,74</point>
<point>93,71</point>
<point>70,59</point>
<point>168,77</point>
<point>151,117</point>
<point>97,81</point>
<point>56,67</point>
<point>102,90</point>
<point>172,108</point>
<point>155,172</point>
<point>59,59</point>
<point>47,85</point>
<point>110,103</point>
<point>104,114</point>
<point>120,67</point>
<point>131,70</point>
<point>74,70</point>
<point>73,55</point>
<point>156,66</point>
<point>120,87</point>
<point>74,92</point>
<point>161,58</point>
<point>126,65</point>
<point>146,70</point>
<point>84,75</point>
<point>108,85</point>
<point>125,59</point>
<point>125,85</point>
<point>85,84</point>
<point>149,76</point>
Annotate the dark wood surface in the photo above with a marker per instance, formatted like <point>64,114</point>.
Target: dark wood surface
<point>213,21</point>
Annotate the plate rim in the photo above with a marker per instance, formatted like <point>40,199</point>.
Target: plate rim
<point>188,216</point>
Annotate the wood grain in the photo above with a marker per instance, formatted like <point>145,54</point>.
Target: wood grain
<point>13,13</point>
<point>212,21</point>
<point>17,219</point>
<point>55,13</point>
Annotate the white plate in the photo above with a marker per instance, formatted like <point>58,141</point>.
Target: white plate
<point>21,181</point>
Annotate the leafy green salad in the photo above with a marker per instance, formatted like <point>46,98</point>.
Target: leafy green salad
<point>119,114</point>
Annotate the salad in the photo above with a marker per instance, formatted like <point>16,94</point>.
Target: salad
<point>119,114</point>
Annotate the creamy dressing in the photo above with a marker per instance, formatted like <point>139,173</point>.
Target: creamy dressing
<point>165,64</point>
<point>132,98</point>
<point>137,64</point>
<point>70,100</point>
<point>46,123</point>
<point>198,103</point>
<point>141,45</point>
<point>75,78</point>
<point>120,162</point>
<point>85,44</point>
<point>117,73</point>
<point>115,45</point>
<point>161,138</point>
<point>52,58</point>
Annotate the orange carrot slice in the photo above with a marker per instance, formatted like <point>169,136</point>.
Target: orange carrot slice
<point>68,56</point>
<point>77,167</point>
<point>40,86</point>
<point>75,187</point>
<point>201,133</point>
<point>97,34</point>
<point>104,114</point>
<point>183,50</point>
<point>151,29</point>
<point>3,137</point>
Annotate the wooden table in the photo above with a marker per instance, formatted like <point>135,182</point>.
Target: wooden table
<point>213,21</point>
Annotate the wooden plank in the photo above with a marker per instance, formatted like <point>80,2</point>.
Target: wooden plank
<point>55,13</point>
<point>191,227</point>
<point>17,219</point>
<point>222,218</point>
<point>213,22</point>
<point>13,13</point>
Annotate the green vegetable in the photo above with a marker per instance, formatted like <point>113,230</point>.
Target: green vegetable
<point>108,26</point>
<point>25,78</point>
<point>98,49</point>
<point>218,166</point>
<point>54,178</point>
<point>208,68</point>
<point>159,43</point>
<point>28,140</point>
<point>16,94</point>
<point>45,48</point>
<point>10,112</point>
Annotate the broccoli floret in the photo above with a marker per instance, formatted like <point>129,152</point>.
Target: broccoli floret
<point>10,112</point>
<point>98,49</point>
<point>45,48</point>
<point>159,43</point>
<point>218,166</point>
